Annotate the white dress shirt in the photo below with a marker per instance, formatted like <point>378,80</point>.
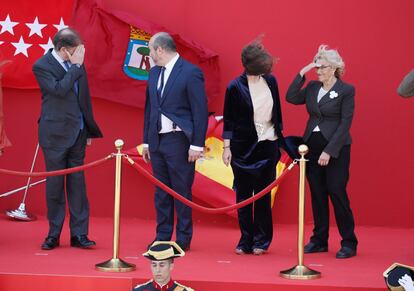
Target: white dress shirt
<point>167,124</point>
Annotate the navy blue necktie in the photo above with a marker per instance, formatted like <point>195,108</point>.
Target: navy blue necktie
<point>161,87</point>
<point>76,90</point>
<point>159,92</point>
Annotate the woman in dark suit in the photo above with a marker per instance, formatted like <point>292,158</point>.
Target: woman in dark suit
<point>252,130</point>
<point>330,104</point>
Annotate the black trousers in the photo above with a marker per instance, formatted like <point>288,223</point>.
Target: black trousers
<point>330,181</point>
<point>58,159</point>
<point>170,165</point>
<point>252,176</point>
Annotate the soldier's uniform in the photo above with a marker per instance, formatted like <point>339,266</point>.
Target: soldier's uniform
<point>151,285</point>
<point>161,251</point>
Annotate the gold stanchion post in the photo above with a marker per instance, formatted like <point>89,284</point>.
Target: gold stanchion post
<point>116,264</point>
<point>300,271</point>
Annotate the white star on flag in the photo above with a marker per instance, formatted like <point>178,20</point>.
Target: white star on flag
<point>7,25</point>
<point>1,42</point>
<point>36,27</point>
<point>47,46</point>
<point>21,47</point>
<point>61,25</point>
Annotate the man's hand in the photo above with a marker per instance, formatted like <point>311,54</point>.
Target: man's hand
<point>194,155</point>
<point>146,155</point>
<point>78,55</point>
<point>324,159</point>
<point>88,141</point>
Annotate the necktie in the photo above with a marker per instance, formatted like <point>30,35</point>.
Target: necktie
<point>161,87</point>
<point>159,92</point>
<point>76,90</point>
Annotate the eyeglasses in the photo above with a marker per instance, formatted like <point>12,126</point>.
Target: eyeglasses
<point>322,67</point>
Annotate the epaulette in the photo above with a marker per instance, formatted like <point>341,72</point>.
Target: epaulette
<point>182,287</point>
<point>143,284</point>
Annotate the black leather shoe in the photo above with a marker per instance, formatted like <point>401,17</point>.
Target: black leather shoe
<point>50,243</point>
<point>81,241</point>
<point>184,246</point>
<point>345,253</point>
<point>312,247</point>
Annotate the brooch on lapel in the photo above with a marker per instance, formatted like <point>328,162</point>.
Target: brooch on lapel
<point>333,94</point>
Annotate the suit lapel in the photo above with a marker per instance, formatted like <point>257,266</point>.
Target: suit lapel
<point>245,93</point>
<point>153,82</point>
<point>173,76</point>
<point>54,63</point>
<point>314,98</point>
<point>82,87</point>
<point>326,98</point>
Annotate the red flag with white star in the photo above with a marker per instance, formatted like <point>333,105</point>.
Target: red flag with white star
<point>26,29</point>
<point>117,54</point>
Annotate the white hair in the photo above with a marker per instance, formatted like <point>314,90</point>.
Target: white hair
<point>332,57</point>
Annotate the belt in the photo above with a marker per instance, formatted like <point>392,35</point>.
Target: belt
<point>172,131</point>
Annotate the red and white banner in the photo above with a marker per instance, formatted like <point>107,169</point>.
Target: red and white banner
<point>26,29</point>
<point>116,59</point>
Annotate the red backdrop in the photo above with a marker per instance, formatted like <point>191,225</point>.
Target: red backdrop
<point>373,37</point>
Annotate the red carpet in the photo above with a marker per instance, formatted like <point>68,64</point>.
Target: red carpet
<point>210,265</point>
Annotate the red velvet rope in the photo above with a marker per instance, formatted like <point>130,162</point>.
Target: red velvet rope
<point>58,172</point>
<point>196,206</point>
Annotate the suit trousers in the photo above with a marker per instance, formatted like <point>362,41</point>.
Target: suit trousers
<point>255,220</point>
<point>170,165</point>
<point>330,181</point>
<point>58,159</point>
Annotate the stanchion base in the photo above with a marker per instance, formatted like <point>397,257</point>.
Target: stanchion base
<point>20,215</point>
<point>115,265</point>
<point>300,273</point>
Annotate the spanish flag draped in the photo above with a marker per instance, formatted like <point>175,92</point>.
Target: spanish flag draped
<point>213,182</point>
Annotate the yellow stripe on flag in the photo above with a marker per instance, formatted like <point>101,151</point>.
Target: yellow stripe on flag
<point>279,170</point>
<point>212,165</point>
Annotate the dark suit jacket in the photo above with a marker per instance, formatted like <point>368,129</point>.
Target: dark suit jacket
<point>238,116</point>
<point>184,102</point>
<point>59,121</point>
<point>332,115</point>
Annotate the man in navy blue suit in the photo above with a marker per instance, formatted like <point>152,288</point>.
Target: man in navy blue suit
<point>175,125</point>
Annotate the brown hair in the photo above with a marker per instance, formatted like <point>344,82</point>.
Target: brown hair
<point>256,59</point>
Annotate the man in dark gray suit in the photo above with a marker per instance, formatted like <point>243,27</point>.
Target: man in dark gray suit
<point>406,88</point>
<point>66,125</point>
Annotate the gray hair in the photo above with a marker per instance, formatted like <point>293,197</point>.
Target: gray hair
<point>332,57</point>
<point>164,41</point>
